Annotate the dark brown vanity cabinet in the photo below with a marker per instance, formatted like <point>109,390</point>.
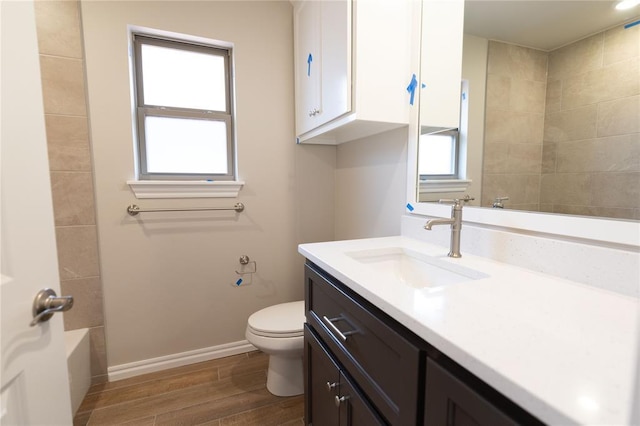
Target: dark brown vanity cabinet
<point>364,368</point>
<point>450,402</point>
<point>332,398</point>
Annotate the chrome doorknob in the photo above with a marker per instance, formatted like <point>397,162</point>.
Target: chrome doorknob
<point>46,303</point>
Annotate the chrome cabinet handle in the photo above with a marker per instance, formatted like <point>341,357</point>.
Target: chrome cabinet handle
<point>46,303</point>
<point>340,399</point>
<point>331,386</point>
<point>341,335</point>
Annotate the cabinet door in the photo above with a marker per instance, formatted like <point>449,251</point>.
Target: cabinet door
<point>322,381</point>
<point>322,62</point>
<point>308,64</point>
<point>335,94</point>
<point>441,64</point>
<point>448,401</point>
<point>354,409</point>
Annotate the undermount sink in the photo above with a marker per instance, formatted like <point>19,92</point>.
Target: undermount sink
<point>412,268</point>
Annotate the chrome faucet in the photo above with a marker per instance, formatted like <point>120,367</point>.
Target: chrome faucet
<point>455,222</point>
<point>498,202</point>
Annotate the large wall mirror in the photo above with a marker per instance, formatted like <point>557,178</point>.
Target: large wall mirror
<point>552,114</point>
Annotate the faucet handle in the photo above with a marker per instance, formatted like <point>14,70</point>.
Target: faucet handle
<point>456,201</point>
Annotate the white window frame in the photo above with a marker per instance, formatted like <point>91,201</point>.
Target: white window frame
<point>457,182</point>
<point>172,185</point>
<point>144,110</point>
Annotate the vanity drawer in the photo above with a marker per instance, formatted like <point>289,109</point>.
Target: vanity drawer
<point>386,365</point>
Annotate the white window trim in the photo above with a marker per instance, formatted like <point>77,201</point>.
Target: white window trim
<point>443,185</point>
<point>185,189</point>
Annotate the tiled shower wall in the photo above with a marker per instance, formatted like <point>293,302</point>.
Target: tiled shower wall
<point>514,120</point>
<point>63,86</point>
<point>591,150</point>
<point>576,149</point>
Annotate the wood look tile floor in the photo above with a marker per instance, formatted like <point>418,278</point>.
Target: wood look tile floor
<point>221,392</point>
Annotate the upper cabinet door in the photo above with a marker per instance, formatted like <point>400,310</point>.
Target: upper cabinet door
<point>441,64</point>
<point>308,63</point>
<point>322,62</point>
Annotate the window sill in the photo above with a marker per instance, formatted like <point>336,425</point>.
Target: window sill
<point>446,185</point>
<point>185,189</point>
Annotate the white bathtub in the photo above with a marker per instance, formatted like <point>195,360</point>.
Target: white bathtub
<point>79,364</point>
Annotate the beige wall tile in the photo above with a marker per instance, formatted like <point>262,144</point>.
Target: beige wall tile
<point>63,86</point>
<point>513,127</point>
<point>77,252</point>
<point>549,157</point>
<point>619,80</point>
<point>527,96</point>
<point>570,125</point>
<point>621,44</point>
<point>517,62</point>
<point>521,189</point>
<point>498,92</point>
<point>581,56</point>
<point>98,351</point>
<point>523,207</point>
<point>68,143</point>
<point>495,158</point>
<point>87,306</point>
<point>553,100</point>
<point>615,213</point>
<point>616,190</point>
<point>58,28</point>
<point>619,117</point>
<point>73,198</point>
<point>616,153</point>
<point>566,188</point>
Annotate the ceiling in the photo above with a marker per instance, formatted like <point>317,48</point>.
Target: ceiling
<point>542,24</point>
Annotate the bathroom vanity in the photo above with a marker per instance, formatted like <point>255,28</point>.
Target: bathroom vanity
<point>397,333</point>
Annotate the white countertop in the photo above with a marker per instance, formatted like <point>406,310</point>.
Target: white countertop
<point>564,351</point>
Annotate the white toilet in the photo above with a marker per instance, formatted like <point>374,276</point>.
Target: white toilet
<point>277,331</point>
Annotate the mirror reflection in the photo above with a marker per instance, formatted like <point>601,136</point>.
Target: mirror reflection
<point>550,114</point>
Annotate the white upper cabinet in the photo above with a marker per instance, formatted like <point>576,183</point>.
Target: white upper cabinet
<point>352,67</point>
<point>441,64</point>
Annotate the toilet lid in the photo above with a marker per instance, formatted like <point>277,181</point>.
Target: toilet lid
<point>283,319</point>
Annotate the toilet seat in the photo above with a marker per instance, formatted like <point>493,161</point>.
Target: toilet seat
<point>278,321</point>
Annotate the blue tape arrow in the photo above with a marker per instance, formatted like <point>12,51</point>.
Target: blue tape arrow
<point>309,60</point>
<point>411,88</point>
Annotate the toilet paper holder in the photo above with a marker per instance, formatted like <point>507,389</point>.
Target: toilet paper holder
<point>244,261</point>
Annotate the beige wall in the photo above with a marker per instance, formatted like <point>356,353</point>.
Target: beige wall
<point>591,134</point>
<point>370,189</point>
<point>62,69</point>
<point>169,277</point>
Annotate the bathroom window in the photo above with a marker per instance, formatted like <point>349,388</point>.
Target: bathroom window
<point>438,155</point>
<point>184,110</point>
<point>442,156</point>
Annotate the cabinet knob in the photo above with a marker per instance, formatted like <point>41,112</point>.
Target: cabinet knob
<point>331,386</point>
<point>340,399</point>
<point>314,112</point>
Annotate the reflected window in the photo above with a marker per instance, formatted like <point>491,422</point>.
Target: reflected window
<point>183,101</point>
<point>438,155</point>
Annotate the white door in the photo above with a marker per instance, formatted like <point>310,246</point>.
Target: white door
<point>33,375</point>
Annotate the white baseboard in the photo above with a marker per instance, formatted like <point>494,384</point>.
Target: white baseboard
<point>123,371</point>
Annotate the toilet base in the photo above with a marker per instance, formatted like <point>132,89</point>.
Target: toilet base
<point>285,376</point>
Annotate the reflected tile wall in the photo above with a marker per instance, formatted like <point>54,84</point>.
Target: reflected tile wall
<point>591,134</point>
<point>62,68</point>
<point>514,125</point>
<point>588,126</point>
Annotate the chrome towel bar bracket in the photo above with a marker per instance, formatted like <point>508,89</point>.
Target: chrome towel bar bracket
<point>134,209</point>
